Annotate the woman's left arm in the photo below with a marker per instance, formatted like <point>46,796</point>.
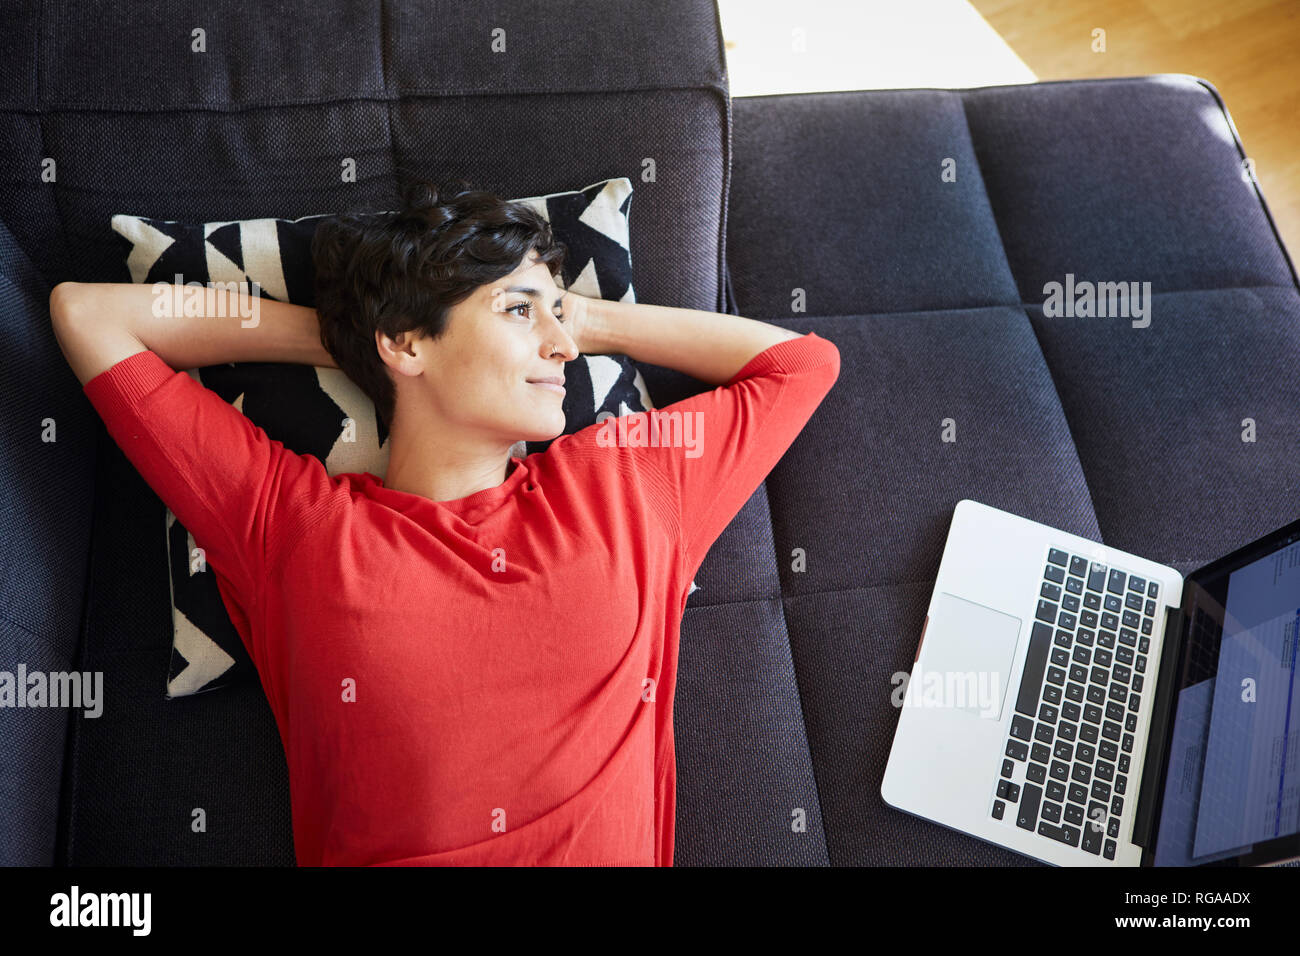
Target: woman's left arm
<point>709,346</point>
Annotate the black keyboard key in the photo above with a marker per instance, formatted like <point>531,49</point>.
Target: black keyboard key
<point>1096,694</point>
<point>1144,645</point>
<point>1078,565</point>
<point>1065,833</point>
<point>1064,638</point>
<point>1085,753</point>
<point>1127,746</point>
<point>998,808</point>
<point>1133,602</point>
<point>1096,818</point>
<point>1100,790</point>
<point>1118,692</point>
<point>1055,676</point>
<point>1108,750</point>
<point>1121,673</point>
<point>1130,722</point>
<point>1067,621</point>
<point>1040,753</point>
<point>1137,584</point>
<point>1109,852</point>
<point>1114,710</point>
<point>1007,768</point>
<point>1105,638</point>
<point>1022,728</point>
<point>1115,584</point>
<point>1082,655</point>
<point>1092,714</point>
<point>1070,603</point>
<point>1141,665</point>
<point>1112,603</point>
<point>1082,773</point>
<point>1050,591</point>
<point>1074,585</point>
<point>1117,805</point>
<point>1100,676</point>
<point>1078,793</point>
<point>1074,692</point>
<point>1084,636</point>
<point>1146,629</point>
<point>1052,812</point>
<point>1120,784</point>
<point>1054,574</point>
<point>1060,657</point>
<point>1134,702</point>
<point>1097,576</point>
<point>1112,828</point>
<point>1059,771</point>
<point>1092,837</point>
<point>1017,751</point>
<point>1052,694</point>
<point>1046,611</point>
<point>1092,601</point>
<point>1130,620</point>
<point>1036,773</point>
<point>1055,791</point>
<point>1040,642</point>
<point>1128,637</point>
<point>1123,763</point>
<point>1110,730</point>
<point>1109,622</point>
<point>1057,556</point>
<point>1105,770</point>
<point>1149,609</point>
<point>1079,673</point>
<point>1151,589</point>
<point>1065,730</point>
<point>1063,751</point>
<point>1088,732</point>
<point>1008,790</point>
<point>1048,713</point>
<point>1071,711</point>
<point>1027,814</point>
<point>1045,733</point>
<point>1074,814</point>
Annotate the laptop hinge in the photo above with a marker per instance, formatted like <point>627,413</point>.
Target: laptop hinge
<point>1162,707</point>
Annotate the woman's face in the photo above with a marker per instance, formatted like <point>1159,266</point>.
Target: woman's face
<point>481,374</point>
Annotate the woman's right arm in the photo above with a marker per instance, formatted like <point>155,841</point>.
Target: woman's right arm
<point>97,324</point>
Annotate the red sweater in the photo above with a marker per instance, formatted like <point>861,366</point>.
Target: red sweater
<point>481,681</point>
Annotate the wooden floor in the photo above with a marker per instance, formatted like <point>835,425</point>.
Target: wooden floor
<point>1249,50</point>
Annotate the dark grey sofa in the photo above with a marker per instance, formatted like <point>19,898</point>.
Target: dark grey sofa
<point>932,290</point>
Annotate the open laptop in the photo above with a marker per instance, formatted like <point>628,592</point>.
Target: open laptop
<point>1088,707</point>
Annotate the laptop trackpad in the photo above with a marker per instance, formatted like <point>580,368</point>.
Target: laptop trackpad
<point>968,652</point>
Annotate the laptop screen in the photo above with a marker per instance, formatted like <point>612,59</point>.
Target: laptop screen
<point>1232,790</point>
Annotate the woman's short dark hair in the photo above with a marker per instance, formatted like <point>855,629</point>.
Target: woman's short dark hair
<point>403,271</point>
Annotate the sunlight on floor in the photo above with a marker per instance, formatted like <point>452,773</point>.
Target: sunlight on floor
<point>802,46</point>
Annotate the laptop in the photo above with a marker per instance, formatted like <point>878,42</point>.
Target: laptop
<point>1087,707</point>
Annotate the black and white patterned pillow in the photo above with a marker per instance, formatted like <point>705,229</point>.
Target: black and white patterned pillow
<point>320,411</point>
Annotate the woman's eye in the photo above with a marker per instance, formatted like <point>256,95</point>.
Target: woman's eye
<point>559,316</point>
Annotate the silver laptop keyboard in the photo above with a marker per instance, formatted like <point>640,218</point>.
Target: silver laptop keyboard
<point>1077,708</point>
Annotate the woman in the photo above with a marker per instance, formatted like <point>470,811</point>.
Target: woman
<point>473,660</point>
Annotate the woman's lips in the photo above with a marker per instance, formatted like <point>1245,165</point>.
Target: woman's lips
<point>558,389</point>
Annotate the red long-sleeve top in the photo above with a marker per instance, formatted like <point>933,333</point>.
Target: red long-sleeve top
<point>488,680</point>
